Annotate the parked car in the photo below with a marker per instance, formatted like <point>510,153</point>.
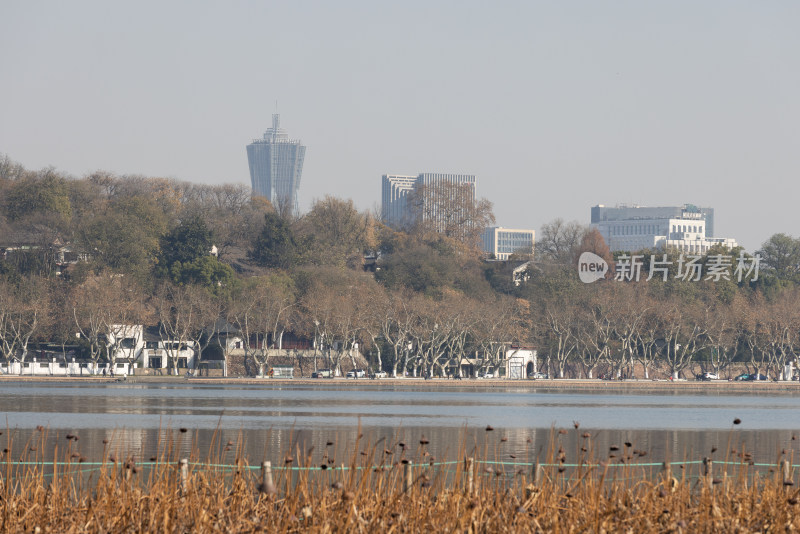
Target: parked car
<point>744,376</point>
<point>757,377</point>
<point>540,376</point>
<point>487,375</point>
<point>708,376</point>
<point>380,374</point>
<point>322,373</point>
<point>356,373</point>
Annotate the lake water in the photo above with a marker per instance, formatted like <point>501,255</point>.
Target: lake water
<point>272,420</point>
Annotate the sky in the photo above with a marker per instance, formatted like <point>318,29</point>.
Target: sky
<point>554,106</point>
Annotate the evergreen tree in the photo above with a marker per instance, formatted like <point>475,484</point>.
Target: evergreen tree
<point>275,246</point>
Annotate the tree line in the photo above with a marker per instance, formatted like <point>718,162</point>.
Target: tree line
<point>415,300</point>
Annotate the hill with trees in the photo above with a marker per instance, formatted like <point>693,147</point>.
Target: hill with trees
<point>80,254</point>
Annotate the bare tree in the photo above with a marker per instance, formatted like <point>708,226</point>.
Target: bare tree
<point>346,322</point>
<point>178,314</point>
<point>92,306</point>
<point>560,242</point>
<point>780,330</point>
<point>450,209</point>
<point>647,338</point>
<point>684,332</point>
<point>494,327</point>
<point>722,332</point>
<point>23,311</point>
<point>128,309</point>
<point>627,317</point>
<point>318,306</point>
<point>396,322</point>
<point>209,310</point>
<point>559,322</point>
<point>593,334</point>
<point>749,328</point>
<point>375,312</point>
<point>261,312</point>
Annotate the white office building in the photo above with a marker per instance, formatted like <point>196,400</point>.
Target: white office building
<point>502,242</point>
<point>624,212</point>
<point>686,233</point>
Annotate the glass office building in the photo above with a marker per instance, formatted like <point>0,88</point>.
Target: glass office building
<point>503,242</point>
<point>276,165</point>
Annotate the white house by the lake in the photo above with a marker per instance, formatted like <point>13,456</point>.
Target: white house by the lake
<point>131,349</point>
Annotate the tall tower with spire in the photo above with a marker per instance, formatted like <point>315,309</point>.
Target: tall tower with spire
<point>276,165</point>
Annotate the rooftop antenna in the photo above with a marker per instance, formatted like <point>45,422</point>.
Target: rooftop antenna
<point>276,118</point>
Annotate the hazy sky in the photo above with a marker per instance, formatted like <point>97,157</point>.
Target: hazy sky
<point>554,106</point>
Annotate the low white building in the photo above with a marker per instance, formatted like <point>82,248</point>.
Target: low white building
<point>55,366</point>
<point>149,349</point>
<point>503,242</point>
<point>521,363</point>
<point>163,353</point>
<point>131,349</point>
<point>125,342</point>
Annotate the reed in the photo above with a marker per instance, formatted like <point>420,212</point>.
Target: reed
<point>389,484</point>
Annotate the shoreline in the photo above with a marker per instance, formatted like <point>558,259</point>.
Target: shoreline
<point>344,383</point>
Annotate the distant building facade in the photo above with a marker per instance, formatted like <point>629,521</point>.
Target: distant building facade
<point>394,192</point>
<point>396,188</point>
<point>503,242</point>
<point>631,229</point>
<point>624,212</point>
<point>276,165</point>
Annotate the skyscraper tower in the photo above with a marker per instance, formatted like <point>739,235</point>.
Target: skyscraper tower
<point>276,164</point>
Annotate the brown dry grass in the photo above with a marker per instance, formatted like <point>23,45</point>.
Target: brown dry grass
<point>616,494</point>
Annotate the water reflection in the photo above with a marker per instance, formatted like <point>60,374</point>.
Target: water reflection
<point>266,422</point>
